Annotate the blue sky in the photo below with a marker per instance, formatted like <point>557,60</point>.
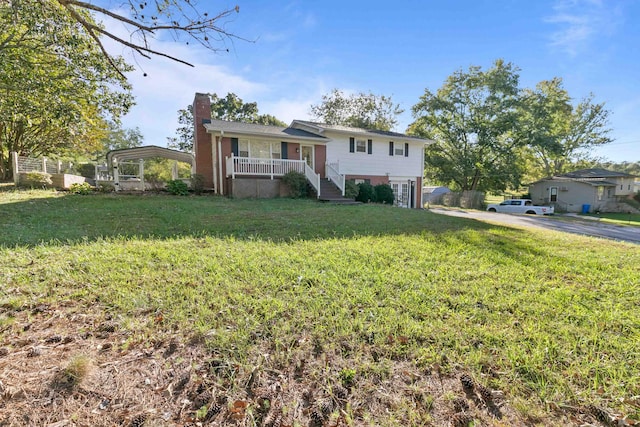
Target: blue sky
<point>303,49</point>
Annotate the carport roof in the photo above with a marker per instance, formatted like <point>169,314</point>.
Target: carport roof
<point>147,152</point>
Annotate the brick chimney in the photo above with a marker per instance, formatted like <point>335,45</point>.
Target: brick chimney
<point>202,146</point>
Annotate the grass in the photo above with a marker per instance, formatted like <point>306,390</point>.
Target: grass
<point>543,316</point>
<point>619,218</point>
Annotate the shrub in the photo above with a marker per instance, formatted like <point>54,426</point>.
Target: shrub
<point>177,187</point>
<point>297,183</point>
<point>197,183</point>
<point>637,197</point>
<point>366,194</point>
<point>38,179</point>
<point>88,170</point>
<point>351,189</point>
<point>105,187</point>
<point>80,188</point>
<point>384,194</point>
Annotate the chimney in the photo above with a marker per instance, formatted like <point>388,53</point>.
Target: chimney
<point>202,145</point>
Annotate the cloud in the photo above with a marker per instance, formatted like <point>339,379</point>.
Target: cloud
<point>580,22</point>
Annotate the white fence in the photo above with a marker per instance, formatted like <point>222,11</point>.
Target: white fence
<point>23,164</point>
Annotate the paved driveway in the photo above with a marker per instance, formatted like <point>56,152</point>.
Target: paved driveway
<point>568,224</point>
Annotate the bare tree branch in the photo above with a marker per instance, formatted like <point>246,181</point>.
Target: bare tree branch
<point>194,24</point>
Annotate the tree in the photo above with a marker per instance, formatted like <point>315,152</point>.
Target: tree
<point>57,89</point>
<point>231,108</point>
<point>362,110</point>
<point>558,134</point>
<point>145,21</point>
<point>472,118</point>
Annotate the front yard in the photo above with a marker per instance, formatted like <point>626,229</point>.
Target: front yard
<point>169,310</point>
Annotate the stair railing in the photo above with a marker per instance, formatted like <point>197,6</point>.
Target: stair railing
<point>313,178</point>
<point>334,176</point>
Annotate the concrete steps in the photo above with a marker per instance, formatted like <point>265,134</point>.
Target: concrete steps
<point>329,193</point>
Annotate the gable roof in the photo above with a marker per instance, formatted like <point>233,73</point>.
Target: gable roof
<point>594,173</point>
<point>322,127</point>
<point>254,129</point>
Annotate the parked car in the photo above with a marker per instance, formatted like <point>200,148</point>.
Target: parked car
<point>520,206</point>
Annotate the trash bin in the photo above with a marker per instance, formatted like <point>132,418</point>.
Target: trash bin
<point>585,209</point>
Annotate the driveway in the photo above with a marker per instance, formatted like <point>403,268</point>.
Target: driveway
<point>568,224</point>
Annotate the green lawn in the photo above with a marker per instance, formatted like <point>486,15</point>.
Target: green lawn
<point>544,317</point>
<point>618,218</point>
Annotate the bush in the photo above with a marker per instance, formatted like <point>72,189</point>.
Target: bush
<point>197,183</point>
<point>384,194</point>
<point>80,188</point>
<point>88,170</point>
<point>177,187</point>
<point>366,194</point>
<point>297,183</point>
<point>637,197</point>
<point>105,187</point>
<point>38,179</point>
<point>351,189</point>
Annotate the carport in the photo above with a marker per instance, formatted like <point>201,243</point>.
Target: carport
<point>117,157</point>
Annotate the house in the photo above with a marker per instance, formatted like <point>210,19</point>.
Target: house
<point>586,190</point>
<point>248,160</point>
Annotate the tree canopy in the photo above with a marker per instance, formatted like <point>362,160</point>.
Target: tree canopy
<point>472,118</point>
<point>230,108</point>
<point>57,88</point>
<point>362,110</point>
<point>490,134</point>
<point>557,133</point>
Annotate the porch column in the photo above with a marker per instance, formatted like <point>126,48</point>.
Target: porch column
<point>116,175</point>
<point>141,173</point>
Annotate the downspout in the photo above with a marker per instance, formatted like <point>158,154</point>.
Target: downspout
<point>220,162</point>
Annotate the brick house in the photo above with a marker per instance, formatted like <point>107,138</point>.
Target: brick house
<point>248,160</point>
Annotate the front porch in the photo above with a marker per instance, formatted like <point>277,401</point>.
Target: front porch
<point>260,168</point>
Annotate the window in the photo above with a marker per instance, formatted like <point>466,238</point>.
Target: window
<point>361,145</point>
<point>553,194</point>
<point>259,149</point>
<point>399,150</point>
<point>362,181</point>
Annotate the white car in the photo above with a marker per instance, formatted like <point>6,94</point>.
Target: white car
<point>520,206</point>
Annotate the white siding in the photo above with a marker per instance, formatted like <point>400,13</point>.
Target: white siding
<point>379,163</point>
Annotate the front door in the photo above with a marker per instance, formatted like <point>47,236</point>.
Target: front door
<point>401,193</point>
<point>306,152</point>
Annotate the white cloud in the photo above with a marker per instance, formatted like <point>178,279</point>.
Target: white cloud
<point>580,22</point>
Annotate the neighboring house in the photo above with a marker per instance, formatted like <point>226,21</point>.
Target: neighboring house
<point>248,160</point>
<point>592,190</point>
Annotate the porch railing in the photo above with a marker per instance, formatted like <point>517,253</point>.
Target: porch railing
<point>262,167</point>
<point>249,166</point>
<point>335,177</point>
<point>313,178</point>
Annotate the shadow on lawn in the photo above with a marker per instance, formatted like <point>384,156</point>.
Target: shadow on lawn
<point>68,218</point>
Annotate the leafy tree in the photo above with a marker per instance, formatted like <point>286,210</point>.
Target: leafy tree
<point>57,89</point>
<point>558,134</point>
<point>231,108</point>
<point>117,138</point>
<point>362,110</point>
<point>472,118</point>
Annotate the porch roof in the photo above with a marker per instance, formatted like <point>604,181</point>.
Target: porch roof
<point>252,129</point>
<point>148,151</point>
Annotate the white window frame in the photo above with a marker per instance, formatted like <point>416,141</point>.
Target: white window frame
<point>398,150</point>
<point>361,145</point>
<point>274,148</point>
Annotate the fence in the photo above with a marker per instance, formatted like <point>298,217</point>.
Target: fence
<point>22,165</point>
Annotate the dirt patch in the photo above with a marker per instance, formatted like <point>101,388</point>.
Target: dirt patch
<point>62,366</point>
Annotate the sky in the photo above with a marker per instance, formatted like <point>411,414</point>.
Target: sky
<point>297,51</point>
